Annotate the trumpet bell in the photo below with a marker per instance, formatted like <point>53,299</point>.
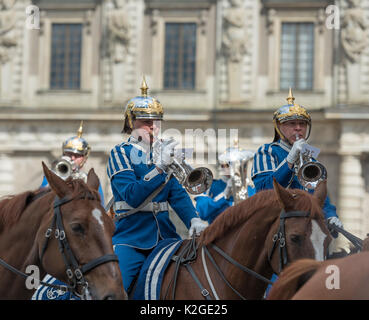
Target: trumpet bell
<point>311,173</point>
<point>63,167</point>
<point>198,180</point>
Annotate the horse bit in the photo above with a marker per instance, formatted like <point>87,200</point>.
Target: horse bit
<point>75,272</point>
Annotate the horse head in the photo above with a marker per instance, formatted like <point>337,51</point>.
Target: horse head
<point>300,231</point>
<point>81,252</point>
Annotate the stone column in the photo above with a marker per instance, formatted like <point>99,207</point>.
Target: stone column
<point>351,195</point>
<point>6,175</point>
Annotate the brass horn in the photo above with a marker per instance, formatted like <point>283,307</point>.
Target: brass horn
<point>63,167</point>
<point>309,172</point>
<point>195,181</point>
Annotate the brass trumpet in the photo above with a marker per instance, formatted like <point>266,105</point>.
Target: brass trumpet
<point>63,167</point>
<point>195,181</point>
<point>309,172</point>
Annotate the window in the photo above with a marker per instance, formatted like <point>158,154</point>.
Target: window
<point>297,56</point>
<point>66,46</point>
<point>180,56</point>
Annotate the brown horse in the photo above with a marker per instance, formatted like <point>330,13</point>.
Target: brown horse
<point>261,235</point>
<point>56,230</point>
<point>337,279</point>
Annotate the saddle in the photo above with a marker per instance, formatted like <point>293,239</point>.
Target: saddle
<point>148,284</point>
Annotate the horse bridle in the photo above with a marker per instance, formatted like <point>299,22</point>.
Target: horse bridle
<point>280,236</point>
<point>75,272</point>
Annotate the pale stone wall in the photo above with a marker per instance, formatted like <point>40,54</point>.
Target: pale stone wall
<point>231,92</point>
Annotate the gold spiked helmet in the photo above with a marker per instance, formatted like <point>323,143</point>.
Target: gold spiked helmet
<point>77,144</point>
<point>142,107</point>
<point>290,111</point>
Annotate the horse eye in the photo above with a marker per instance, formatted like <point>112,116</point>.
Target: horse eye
<point>78,228</point>
<point>295,238</point>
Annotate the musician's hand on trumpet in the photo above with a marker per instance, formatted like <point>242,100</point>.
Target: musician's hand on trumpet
<point>166,159</point>
<point>163,154</point>
<point>294,154</point>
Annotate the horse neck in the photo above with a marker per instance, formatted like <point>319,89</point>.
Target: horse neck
<point>247,245</point>
<point>19,248</point>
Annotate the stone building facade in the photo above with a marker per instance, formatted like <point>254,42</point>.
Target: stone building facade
<point>218,65</point>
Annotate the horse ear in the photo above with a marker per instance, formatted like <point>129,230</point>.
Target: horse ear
<point>56,183</point>
<point>93,180</point>
<point>321,192</point>
<point>283,196</point>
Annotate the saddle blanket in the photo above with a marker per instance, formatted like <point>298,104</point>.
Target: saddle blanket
<point>44,292</point>
<point>152,272</point>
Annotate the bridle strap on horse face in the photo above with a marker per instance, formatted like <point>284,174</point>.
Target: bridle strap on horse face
<point>74,271</point>
<point>280,236</point>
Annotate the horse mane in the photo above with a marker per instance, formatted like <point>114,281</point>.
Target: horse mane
<point>237,215</point>
<point>13,206</point>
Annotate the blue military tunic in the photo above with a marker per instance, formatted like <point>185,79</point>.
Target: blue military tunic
<point>270,162</point>
<point>212,203</point>
<point>133,178</point>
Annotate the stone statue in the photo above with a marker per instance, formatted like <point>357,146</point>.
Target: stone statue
<point>7,23</point>
<point>234,46</point>
<point>235,37</point>
<point>119,31</point>
<point>353,31</point>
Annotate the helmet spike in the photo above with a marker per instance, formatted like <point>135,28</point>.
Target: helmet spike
<point>144,87</point>
<point>290,99</point>
<point>80,130</point>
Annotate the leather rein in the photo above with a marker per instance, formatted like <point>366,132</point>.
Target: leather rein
<point>189,254</point>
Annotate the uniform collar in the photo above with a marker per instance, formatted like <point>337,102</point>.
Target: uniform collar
<point>284,145</point>
<point>140,145</point>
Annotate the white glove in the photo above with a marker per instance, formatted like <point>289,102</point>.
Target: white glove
<point>228,189</point>
<point>197,225</point>
<point>295,151</point>
<point>337,222</point>
<point>163,153</point>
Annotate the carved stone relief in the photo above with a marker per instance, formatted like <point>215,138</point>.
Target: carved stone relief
<point>7,24</point>
<point>353,31</point>
<point>234,47</point>
<point>119,31</point>
<point>235,37</point>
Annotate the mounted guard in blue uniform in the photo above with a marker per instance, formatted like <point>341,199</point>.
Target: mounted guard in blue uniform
<point>143,187</point>
<point>232,186</point>
<point>281,159</point>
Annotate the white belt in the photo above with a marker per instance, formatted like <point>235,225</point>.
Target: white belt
<point>152,206</point>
